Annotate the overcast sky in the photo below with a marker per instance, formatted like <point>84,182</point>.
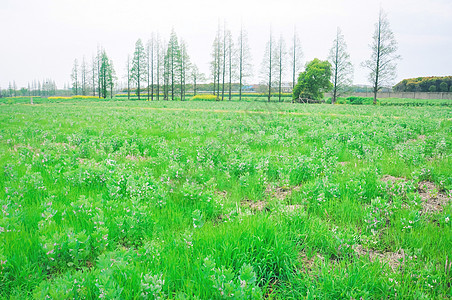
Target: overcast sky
<point>41,39</point>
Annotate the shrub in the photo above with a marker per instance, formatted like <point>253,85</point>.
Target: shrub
<point>360,100</point>
<point>73,97</point>
<point>204,98</point>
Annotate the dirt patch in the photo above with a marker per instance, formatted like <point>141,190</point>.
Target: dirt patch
<point>391,178</point>
<point>64,145</point>
<point>222,194</point>
<point>18,146</point>
<point>254,205</point>
<point>293,207</point>
<point>280,193</point>
<point>393,259</point>
<point>134,158</point>
<point>432,199</point>
<point>393,189</point>
<point>308,263</point>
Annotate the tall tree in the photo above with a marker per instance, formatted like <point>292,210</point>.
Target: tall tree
<point>280,61</point>
<point>98,63</point>
<point>94,74</point>
<point>184,68</point>
<point>152,68</point>
<point>149,67</point>
<point>382,63</point>
<point>173,57</point>
<point>244,59</point>
<point>231,61</point>
<point>159,63</point>
<point>196,77</point>
<point>128,76</point>
<point>223,59</point>
<point>74,77</point>
<point>296,55</point>
<point>166,73</point>
<point>138,70</point>
<point>267,66</point>
<point>216,63</point>
<point>111,77</point>
<point>341,67</point>
<point>84,74</point>
<point>106,75</point>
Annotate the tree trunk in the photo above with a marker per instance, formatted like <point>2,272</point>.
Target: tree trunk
<point>270,69</point>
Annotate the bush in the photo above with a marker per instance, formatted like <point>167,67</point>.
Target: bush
<point>73,97</point>
<point>360,100</point>
<point>204,98</point>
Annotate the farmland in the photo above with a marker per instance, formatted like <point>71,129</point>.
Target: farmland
<point>212,200</point>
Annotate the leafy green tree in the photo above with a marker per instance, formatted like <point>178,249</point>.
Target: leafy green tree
<point>106,74</point>
<point>313,81</point>
<point>443,87</point>
<point>139,66</point>
<point>173,61</point>
<point>432,89</point>
<point>382,63</point>
<point>342,68</point>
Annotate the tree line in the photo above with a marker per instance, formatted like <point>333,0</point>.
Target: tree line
<point>36,88</point>
<point>425,84</point>
<point>160,69</point>
<point>96,79</point>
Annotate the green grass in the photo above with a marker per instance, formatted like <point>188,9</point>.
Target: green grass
<point>186,200</point>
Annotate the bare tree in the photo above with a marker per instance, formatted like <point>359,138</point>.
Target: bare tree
<point>196,76</point>
<point>84,71</point>
<point>184,67</point>
<point>382,63</point>
<point>296,55</point>
<point>244,59</point>
<point>149,67</point>
<point>152,68</point>
<point>216,63</point>
<point>159,57</point>
<point>98,62</point>
<point>128,77</point>
<point>341,67</point>
<point>93,74</point>
<point>231,61</point>
<point>74,77</point>
<point>267,68</point>
<point>280,61</point>
<point>223,59</point>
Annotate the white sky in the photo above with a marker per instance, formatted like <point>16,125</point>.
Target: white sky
<point>41,39</point>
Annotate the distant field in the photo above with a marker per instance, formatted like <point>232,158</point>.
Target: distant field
<point>245,98</point>
<point>211,200</point>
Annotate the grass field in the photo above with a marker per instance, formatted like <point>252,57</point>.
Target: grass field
<point>233,200</point>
